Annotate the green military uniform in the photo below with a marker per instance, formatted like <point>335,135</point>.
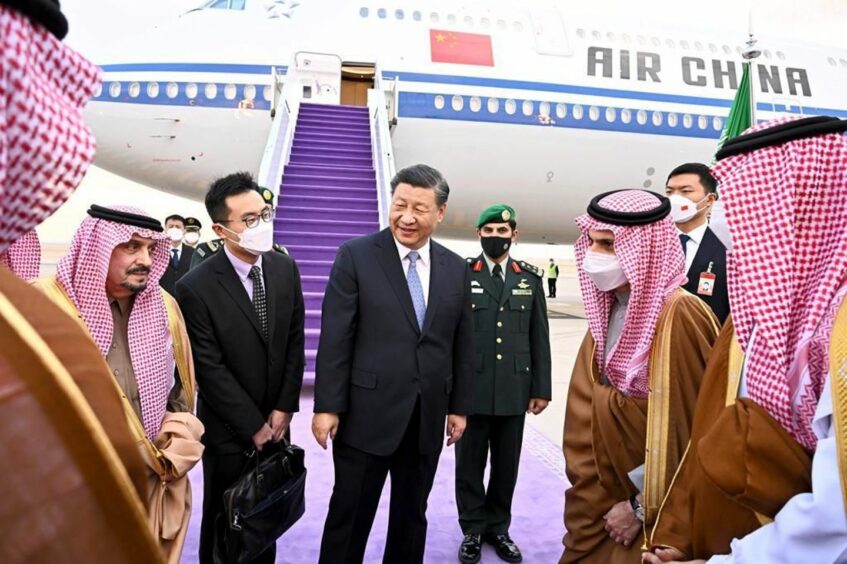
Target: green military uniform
<point>513,366</point>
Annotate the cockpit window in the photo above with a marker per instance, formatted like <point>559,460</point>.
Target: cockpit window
<point>226,4</point>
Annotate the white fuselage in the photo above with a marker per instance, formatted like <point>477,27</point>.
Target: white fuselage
<point>567,110</point>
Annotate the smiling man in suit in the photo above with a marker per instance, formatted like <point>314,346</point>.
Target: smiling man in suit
<point>692,190</point>
<point>396,356</point>
<point>245,316</point>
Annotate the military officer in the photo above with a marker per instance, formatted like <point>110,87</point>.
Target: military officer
<point>512,378</point>
<point>192,232</point>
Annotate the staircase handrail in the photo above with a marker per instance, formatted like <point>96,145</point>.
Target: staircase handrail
<point>381,149</point>
<point>280,139</point>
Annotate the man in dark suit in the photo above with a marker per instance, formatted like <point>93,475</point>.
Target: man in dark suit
<point>512,378</point>
<point>245,316</point>
<point>180,253</point>
<point>692,190</point>
<point>396,356</point>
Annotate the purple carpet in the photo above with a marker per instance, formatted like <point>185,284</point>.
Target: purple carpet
<point>537,510</point>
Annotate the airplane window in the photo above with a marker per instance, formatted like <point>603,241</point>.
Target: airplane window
<point>831,62</point>
<point>493,105</point>
<point>626,115</point>
<point>416,15</point>
<point>738,49</point>
<point>381,13</point>
<point>641,40</point>
<point>399,14</point>
<point>727,49</point>
<point>457,103</point>
<point>657,118</point>
<point>115,89</point>
<point>702,122</point>
<point>134,90</point>
<point>511,106</point>
<point>451,18</point>
<point>230,91</point>
<point>439,102</point>
<point>211,91</point>
<point>698,46</point>
<point>364,12</point>
<point>611,36</point>
<point>98,90</point>
<point>433,17</point>
<point>152,89</point>
<point>527,108</point>
<point>191,90</point>
<point>561,111</point>
<point>501,25</point>
<point>517,26</point>
<point>485,23</point>
<point>641,117</point>
<point>468,21</point>
<point>627,39</point>
<point>249,92</point>
<point>475,104</point>
<point>266,93</point>
<point>596,34</point>
<point>843,62</point>
<point>593,113</point>
<point>172,90</point>
<point>767,54</point>
<point>673,120</point>
<point>611,115</point>
<point>717,123</point>
<point>684,44</point>
<point>577,112</point>
<point>670,43</point>
<point>687,121</point>
<point>655,41</point>
<point>713,48</point>
<point>227,4</point>
<point>544,109</point>
<point>780,55</point>
<point>579,33</point>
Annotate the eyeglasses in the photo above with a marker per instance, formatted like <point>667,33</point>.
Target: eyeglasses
<point>268,214</point>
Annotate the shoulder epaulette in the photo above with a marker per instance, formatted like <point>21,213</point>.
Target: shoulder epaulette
<point>531,268</point>
<point>280,249</point>
<point>200,251</point>
<point>213,245</point>
<point>475,266</point>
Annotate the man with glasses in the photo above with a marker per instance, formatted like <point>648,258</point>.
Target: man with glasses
<point>245,315</point>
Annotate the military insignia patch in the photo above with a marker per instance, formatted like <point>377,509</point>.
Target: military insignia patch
<point>522,284</point>
<point>506,215</point>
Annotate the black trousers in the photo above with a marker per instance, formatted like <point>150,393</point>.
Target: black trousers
<point>481,511</point>
<point>220,471</point>
<point>551,284</point>
<point>359,479</point>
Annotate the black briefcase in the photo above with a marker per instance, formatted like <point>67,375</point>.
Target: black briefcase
<point>266,500</point>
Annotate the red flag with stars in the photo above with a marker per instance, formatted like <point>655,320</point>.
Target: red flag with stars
<point>461,48</point>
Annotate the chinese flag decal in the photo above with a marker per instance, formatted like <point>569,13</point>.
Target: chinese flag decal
<point>461,48</point>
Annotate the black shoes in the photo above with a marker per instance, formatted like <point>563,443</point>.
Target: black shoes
<point>506,548</point>
<point>470,549</point>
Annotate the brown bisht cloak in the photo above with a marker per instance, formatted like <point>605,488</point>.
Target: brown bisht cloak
<point>608,434</point>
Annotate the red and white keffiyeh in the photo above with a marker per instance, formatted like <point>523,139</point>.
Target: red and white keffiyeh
<point>83,272</point>
<point>786,206</point>
<point>45,147</point>
<point>654,264</point>
<point>23,257</point>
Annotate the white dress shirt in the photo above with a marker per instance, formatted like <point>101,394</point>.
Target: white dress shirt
<point>810,527</point>
<point>242,269</point>
<point>491,264</point>
<point>178,252</point>
<point>693,244</point>
<point>423,265</point>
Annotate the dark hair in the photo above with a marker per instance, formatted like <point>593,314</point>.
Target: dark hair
<point>706,179</point>
<point>423,176</point>
<point>176,217</point>
<point>222,188</point>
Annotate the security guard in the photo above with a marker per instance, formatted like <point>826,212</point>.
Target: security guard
<point>205,250</point>
<point>192,232</point>
<point>512,378</point>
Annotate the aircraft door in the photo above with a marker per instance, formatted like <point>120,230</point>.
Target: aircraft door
<point>356,80</point>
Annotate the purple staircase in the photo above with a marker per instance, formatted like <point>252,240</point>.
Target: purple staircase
<point>328,195</point>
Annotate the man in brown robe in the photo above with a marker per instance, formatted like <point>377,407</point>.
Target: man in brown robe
<point>761,480</point>
<point>636,378</point>
<point>73,479</point>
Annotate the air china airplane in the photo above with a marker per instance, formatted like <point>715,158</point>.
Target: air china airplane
<point>515,103</point>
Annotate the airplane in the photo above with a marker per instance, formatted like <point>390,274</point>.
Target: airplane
<point>515,103</point>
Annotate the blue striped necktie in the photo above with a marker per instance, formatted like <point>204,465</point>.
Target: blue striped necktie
<point>416,288</point>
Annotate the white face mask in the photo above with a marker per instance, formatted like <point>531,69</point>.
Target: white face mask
<point>605,270</point>
<point>683,209</point>
<point>175,234</point>
<point>256,240</point>
<point>192,237</point>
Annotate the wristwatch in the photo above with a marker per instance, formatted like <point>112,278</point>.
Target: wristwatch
<point>637,507</point>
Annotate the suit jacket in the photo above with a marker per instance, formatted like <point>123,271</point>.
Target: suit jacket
<point>171,275</point>
<point>374,362</point>
<point>512,340</point>
<point>241,377</point>
<point>711,250</point>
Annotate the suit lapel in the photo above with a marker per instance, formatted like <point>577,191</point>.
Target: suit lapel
<point>389,261</point>
<point>512,280</point>
<point>269,272</point>
<point>485,279</point>
<point>700,264</point>
<point>228,278</point>
<point>436,254</point>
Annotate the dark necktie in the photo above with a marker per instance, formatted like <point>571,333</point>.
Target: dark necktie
<point>497,278</point>
<point>174,258</point>
<point>684,239</point>
<point>260,303</point>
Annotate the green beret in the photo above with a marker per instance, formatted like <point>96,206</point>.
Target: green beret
<point>499,213</point>
<point>192,224</point>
